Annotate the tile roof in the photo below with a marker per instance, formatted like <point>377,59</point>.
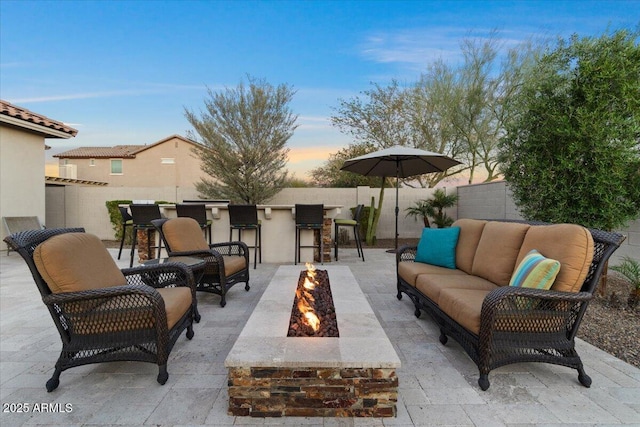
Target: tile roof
<point>118,151</point>
<point>23,114</point>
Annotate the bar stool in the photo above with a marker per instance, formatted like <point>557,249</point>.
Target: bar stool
<point>141,217</point>
<point>309,217</point>
<point>245,217</point>
<point>355,224</point>
<point>197,211</point>
<point>126,221</point>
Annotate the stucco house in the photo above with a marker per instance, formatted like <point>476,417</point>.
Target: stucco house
<point>169,162</point>
<point>22,159</point>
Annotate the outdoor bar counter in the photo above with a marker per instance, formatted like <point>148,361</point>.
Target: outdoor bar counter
<point>278,230</point>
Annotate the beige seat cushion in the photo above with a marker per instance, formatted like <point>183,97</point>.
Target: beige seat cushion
<point>464,306</point>
<point>176,303</point>
<point>128,313</point>
<point>73,262</point>
<point>498,250</point>
<point>409,271</point>
<point>470,233</point>
<point>184,234</point>
<point>233,264</point>
<point>432,285</point>
<point>570,244</point>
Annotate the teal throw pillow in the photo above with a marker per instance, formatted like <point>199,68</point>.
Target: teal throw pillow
<point>437,246</point>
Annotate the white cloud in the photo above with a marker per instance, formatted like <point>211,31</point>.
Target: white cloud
<point>419,47</point>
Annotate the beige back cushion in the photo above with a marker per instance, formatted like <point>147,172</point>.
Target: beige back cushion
<point>498,251</point>
<point>470,232</point>
<point>184,234</point>
<point>74,262</point>
<point>570,244</point>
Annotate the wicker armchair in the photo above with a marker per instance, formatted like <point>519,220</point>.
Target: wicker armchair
<point>102,313</point>
<point>227,263</point>
<point>520,324</point>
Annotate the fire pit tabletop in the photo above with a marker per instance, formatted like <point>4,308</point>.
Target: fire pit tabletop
<point>264,343</point>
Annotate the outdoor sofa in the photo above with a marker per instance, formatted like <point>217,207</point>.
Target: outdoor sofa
<point>464,280</point>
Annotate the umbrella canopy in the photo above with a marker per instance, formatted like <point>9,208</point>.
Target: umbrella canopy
<point>401,162</point>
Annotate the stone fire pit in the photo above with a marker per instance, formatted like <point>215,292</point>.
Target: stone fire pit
<point>272,375</point>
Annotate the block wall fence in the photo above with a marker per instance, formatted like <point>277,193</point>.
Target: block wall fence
<point>84,206</point>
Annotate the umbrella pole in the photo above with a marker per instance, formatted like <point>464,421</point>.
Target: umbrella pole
<point>397,208</point>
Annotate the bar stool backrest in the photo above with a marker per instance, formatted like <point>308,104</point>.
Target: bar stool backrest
<point>243,215</point>
<point>143,214</point>
<point>197,211</point>
<point>358,213</point>
<point>125,214</point>
<point>309,214</point>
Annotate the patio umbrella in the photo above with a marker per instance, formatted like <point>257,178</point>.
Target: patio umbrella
<point>401,162</point>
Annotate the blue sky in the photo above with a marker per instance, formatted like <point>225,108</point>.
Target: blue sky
<point>122,72</point>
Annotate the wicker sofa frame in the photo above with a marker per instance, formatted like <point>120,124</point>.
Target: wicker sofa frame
<point>214,280</point>
<point>104,340</point>
<point>510,334</point>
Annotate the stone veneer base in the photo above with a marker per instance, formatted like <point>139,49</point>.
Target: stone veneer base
<point>272,375</point>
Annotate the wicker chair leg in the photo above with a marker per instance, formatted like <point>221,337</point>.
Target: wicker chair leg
<point>417,313</point>
<point>584,379</point>
<point>163,375</point>
<point>54,381</point>
<point>483,382</point>
<point>246,286</point>
<point>190,332</point>
<point>443,337</point>
<point>223,300</point>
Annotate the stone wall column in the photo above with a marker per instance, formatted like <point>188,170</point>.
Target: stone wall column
<point>142,245</point>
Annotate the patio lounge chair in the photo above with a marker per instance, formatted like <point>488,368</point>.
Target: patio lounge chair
<point>227,263</point>
<point>102,313</point>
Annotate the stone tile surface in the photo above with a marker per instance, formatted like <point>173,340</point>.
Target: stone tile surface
<point>127,394</point>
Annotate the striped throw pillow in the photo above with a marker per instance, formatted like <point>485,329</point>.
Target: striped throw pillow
<point>535,271</point>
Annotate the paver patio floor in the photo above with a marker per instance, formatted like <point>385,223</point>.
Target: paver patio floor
<point>438,384</point>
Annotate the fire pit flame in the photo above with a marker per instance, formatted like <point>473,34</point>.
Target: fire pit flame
<point>313,313</point>
<point>305,299</point>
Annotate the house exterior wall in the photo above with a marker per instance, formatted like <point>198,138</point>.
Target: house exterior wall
<point>21,174</point>
<point>146,169</point>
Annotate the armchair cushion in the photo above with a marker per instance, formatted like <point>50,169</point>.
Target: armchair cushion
<point>184,234</point>
<point>177,301</point>
<point>233,264</point>
<point>73,262</point>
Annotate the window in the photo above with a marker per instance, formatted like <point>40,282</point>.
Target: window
<point>92,162</point>
<point>168,161</point>
<point>116,166</point>
<point>65,162</point>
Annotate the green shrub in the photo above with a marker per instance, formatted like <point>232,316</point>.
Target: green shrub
<point>116,219</point>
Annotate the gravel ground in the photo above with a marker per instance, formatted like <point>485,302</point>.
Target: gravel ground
<point>611,325</point>
<point>608,323</point>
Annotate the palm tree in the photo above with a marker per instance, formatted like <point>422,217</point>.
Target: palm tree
<point>422,209</point>
<point>441,201</point>
<point>434,208</point>
<point>630,268</point>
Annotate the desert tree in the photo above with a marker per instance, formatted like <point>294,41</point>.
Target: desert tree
<point>330,175</point>
<point>242,135</point>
